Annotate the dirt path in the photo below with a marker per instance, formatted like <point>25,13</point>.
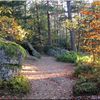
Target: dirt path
<point>49,79</point>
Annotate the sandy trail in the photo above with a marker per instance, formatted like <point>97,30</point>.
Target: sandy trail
<point>49,79</point>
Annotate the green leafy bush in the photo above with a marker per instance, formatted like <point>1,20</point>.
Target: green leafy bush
<point>88,74</point>
<point>54,51</point>
<point>88,82</point>
<point>68,57</point>
<point>82,69</point>
<point>85,88</point>
<point>1,84</point>
<point>87,69</point>
<point>47,47</point>
<point>16,86</point>
<point>98,83</point>
<point>19,85</point>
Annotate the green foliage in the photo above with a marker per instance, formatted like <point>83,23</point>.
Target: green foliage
<point>90,38</point>
<point>19,85</point>
<point>54,51</point>
<point>88,82</point>
<point>12,49</point>
<point>5,11</point>
<point>16,86</point>
<point>85,88</point>
<point>0,83</point>
<point>84,69</point>
<point>47,48</point>
<point>83,59</point>
<point>10,29</point>
<point>88,76</point>
<point>12,8</point>
<point>68,57</point>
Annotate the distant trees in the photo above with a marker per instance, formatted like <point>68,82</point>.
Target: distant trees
<point>44,21</point>
<point>44,24</point>
<point>38,23</point>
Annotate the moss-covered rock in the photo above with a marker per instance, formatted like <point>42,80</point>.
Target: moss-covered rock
<point>11,58</point>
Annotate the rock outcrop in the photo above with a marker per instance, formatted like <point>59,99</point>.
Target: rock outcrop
<point>11,59</point>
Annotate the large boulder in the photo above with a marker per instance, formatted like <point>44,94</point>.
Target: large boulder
<point>11,59</point>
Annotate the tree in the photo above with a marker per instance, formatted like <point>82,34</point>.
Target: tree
<point>49,30</point>
<point>91,32</point>
<point>16,6</point>
<point>41,16</point>
<point>10,29</point>
<point>38,24</point>
<point>73,8</point>
<point>72,34</point>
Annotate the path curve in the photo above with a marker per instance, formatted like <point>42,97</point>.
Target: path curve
<point>49,79</point>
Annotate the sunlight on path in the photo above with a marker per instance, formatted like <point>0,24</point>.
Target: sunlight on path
<point>49,79</point>
<point>31,72</point>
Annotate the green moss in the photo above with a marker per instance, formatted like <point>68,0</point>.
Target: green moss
<point>12,49</point>
<point>16,86</point>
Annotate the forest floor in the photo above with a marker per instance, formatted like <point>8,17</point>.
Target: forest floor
<point>49,79</point>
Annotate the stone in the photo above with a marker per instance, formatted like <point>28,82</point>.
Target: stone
<point>10,64</point>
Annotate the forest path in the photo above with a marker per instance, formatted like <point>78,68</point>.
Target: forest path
<point>49,79</point>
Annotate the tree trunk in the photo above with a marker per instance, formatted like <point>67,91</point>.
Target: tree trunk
<point>38,23</point>
<point>72,34</point>
<point>48,19</point>
<point>25,12</point>
<point>78,41</point>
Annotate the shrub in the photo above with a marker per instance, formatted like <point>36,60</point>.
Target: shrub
<point>98,83</point>
<point>68,57</point>
<point>87,69</point>
<point>46,48</point>
<point>88,82</point>
<point>0,83</point>
<point>83,59</point>
<point>54,51</point>
<point>16,85</point>
<point>88,74</point>
<point>86,88</point>
<point>84,69</point>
